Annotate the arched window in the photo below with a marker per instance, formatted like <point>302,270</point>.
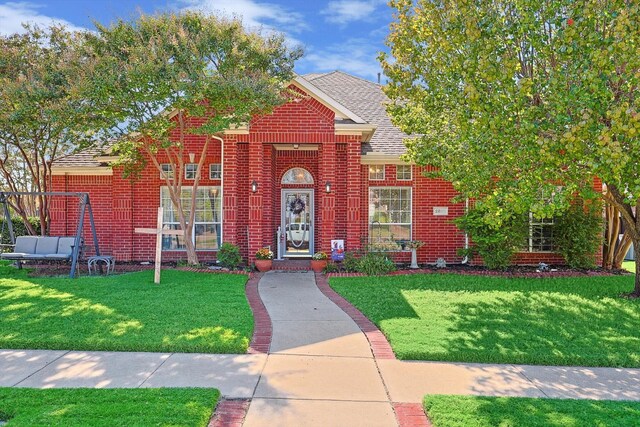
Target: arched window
<point>297,176</point>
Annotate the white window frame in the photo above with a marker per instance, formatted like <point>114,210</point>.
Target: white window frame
<point>370,214</point>
<point>373,176</point>
<point>188,169</point>
<point>398,178</point>
<point>175,221</point>
<point>166,171</point>
<point>213,172</point>
<point>534,247</point>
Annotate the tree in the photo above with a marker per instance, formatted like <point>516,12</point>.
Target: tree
<point>161,78</point>
<point>509,99</point>
<point>41,115</point>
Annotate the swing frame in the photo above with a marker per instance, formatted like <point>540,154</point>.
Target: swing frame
<point>85,206</point>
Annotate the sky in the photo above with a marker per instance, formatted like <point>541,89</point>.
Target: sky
<point>344,35</point>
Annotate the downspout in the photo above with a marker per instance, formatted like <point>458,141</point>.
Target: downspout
<point>466,234</point>
<point>221,188</point>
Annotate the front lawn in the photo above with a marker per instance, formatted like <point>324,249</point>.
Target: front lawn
<point>187,312</point>
<point>447,317</point>
<point>473,411</point>
<point>107,407</point>
<point>629,266</point>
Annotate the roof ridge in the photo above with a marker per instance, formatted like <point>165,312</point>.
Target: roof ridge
<point>357,77</point>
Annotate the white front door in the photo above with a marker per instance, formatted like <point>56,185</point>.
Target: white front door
<point>297,222</point>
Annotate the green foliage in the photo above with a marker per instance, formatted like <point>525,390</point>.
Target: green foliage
<point>495,244</point>
<point>470,318</point>
<point>375,264</point>
<point>477,411</point>
<point>331,267</point>
<point>19,228</point>
<point>189,312</point>
<point>229,256</point>
<point>107,407</point>
<point>351,261</point>
<point>577,233</point>
<point>511,97</point>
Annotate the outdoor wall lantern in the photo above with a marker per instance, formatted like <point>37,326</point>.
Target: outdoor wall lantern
<point>328,187</point>
<point>254,186</point>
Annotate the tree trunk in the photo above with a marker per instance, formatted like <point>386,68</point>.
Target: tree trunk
<point>621,251</point>
<point>636,288</point>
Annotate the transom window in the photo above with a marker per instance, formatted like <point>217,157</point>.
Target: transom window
<point>376,172</point>
<point>166,171</point>
<point>389,214</point>
<point>297,176</point>
<point>403,173</point>
<point>215,171</point>
<point>190,170</point>
<point>207,224</point>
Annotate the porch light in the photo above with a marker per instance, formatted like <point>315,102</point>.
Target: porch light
<point>328,187</point>
<point>192,157</point>
<point>254,186</point>
<point>296,146</point>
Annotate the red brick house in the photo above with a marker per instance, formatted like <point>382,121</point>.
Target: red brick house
<point>323,167</point>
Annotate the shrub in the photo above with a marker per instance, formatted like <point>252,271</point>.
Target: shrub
<point>331,267</point>
<point>375,264</point>
<point>495,244</point>
<point>18,228</point>
<point>229,256</point>
<point>351,261</point>
<point>578,233</point>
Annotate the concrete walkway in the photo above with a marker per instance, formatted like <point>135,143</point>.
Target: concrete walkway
<point>319,370</point>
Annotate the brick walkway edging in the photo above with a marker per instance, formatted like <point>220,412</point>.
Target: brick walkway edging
<point>379,345</point>
<point>262,329</point>
<point>229,413</point>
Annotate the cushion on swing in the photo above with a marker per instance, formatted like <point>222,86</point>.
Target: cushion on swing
<point>65,249</point>
<point>25,245</point>
<point>45,246</point>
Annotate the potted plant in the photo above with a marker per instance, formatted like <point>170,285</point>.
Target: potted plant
<point>319,261</point>
<point>264,259</point>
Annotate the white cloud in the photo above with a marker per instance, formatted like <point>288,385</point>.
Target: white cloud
<point>355,56</point>
<point>254,14</point>
<point>13,14</point>
<point>345,11</point>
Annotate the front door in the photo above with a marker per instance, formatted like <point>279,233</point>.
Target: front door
<point>297,222</point>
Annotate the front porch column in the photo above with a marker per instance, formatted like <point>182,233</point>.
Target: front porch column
<point>327,206</point>
<point>256,218</point>
<point>354,194</point>
<point>230,190</point>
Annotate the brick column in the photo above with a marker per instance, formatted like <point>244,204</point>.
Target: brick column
<point>327,163</point>
<point>256,219</point>
<point>230,189</point>
<point>354,186</point>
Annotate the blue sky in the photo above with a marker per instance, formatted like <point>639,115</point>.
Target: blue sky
<point>336,34</point>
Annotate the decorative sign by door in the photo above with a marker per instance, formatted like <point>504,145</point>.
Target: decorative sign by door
<point>337,250</point>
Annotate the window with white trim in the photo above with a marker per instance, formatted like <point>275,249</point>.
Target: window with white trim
<point>207,224</point>
<point>215,171</point>
<point>190,170</point>
<point>376,172</point>
<point>166,171</point>
<point>540,234</point>
<point>389,214</point>
<point>403,173</point>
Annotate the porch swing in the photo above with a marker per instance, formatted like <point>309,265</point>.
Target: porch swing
<point>48,248</point>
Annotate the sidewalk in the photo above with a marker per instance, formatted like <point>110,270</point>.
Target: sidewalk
<point>319,370</point>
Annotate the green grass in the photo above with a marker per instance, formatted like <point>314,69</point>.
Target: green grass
<point>560,321</point>
<point>629,266</point>
<point>107,407</point>
<point>472,411</point>
<point>187,312</point>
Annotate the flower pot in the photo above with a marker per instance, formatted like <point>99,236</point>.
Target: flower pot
<point>264,264</point>
<point>318,265</point>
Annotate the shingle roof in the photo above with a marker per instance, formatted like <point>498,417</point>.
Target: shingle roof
<point>367,100</point>
<point>86,159</point>
<point>363,97</point>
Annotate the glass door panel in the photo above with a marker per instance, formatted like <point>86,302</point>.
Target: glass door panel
<point>297,222</point>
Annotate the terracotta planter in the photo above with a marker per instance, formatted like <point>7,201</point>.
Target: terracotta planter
<point>318,265</point>
<point>264,264</point>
